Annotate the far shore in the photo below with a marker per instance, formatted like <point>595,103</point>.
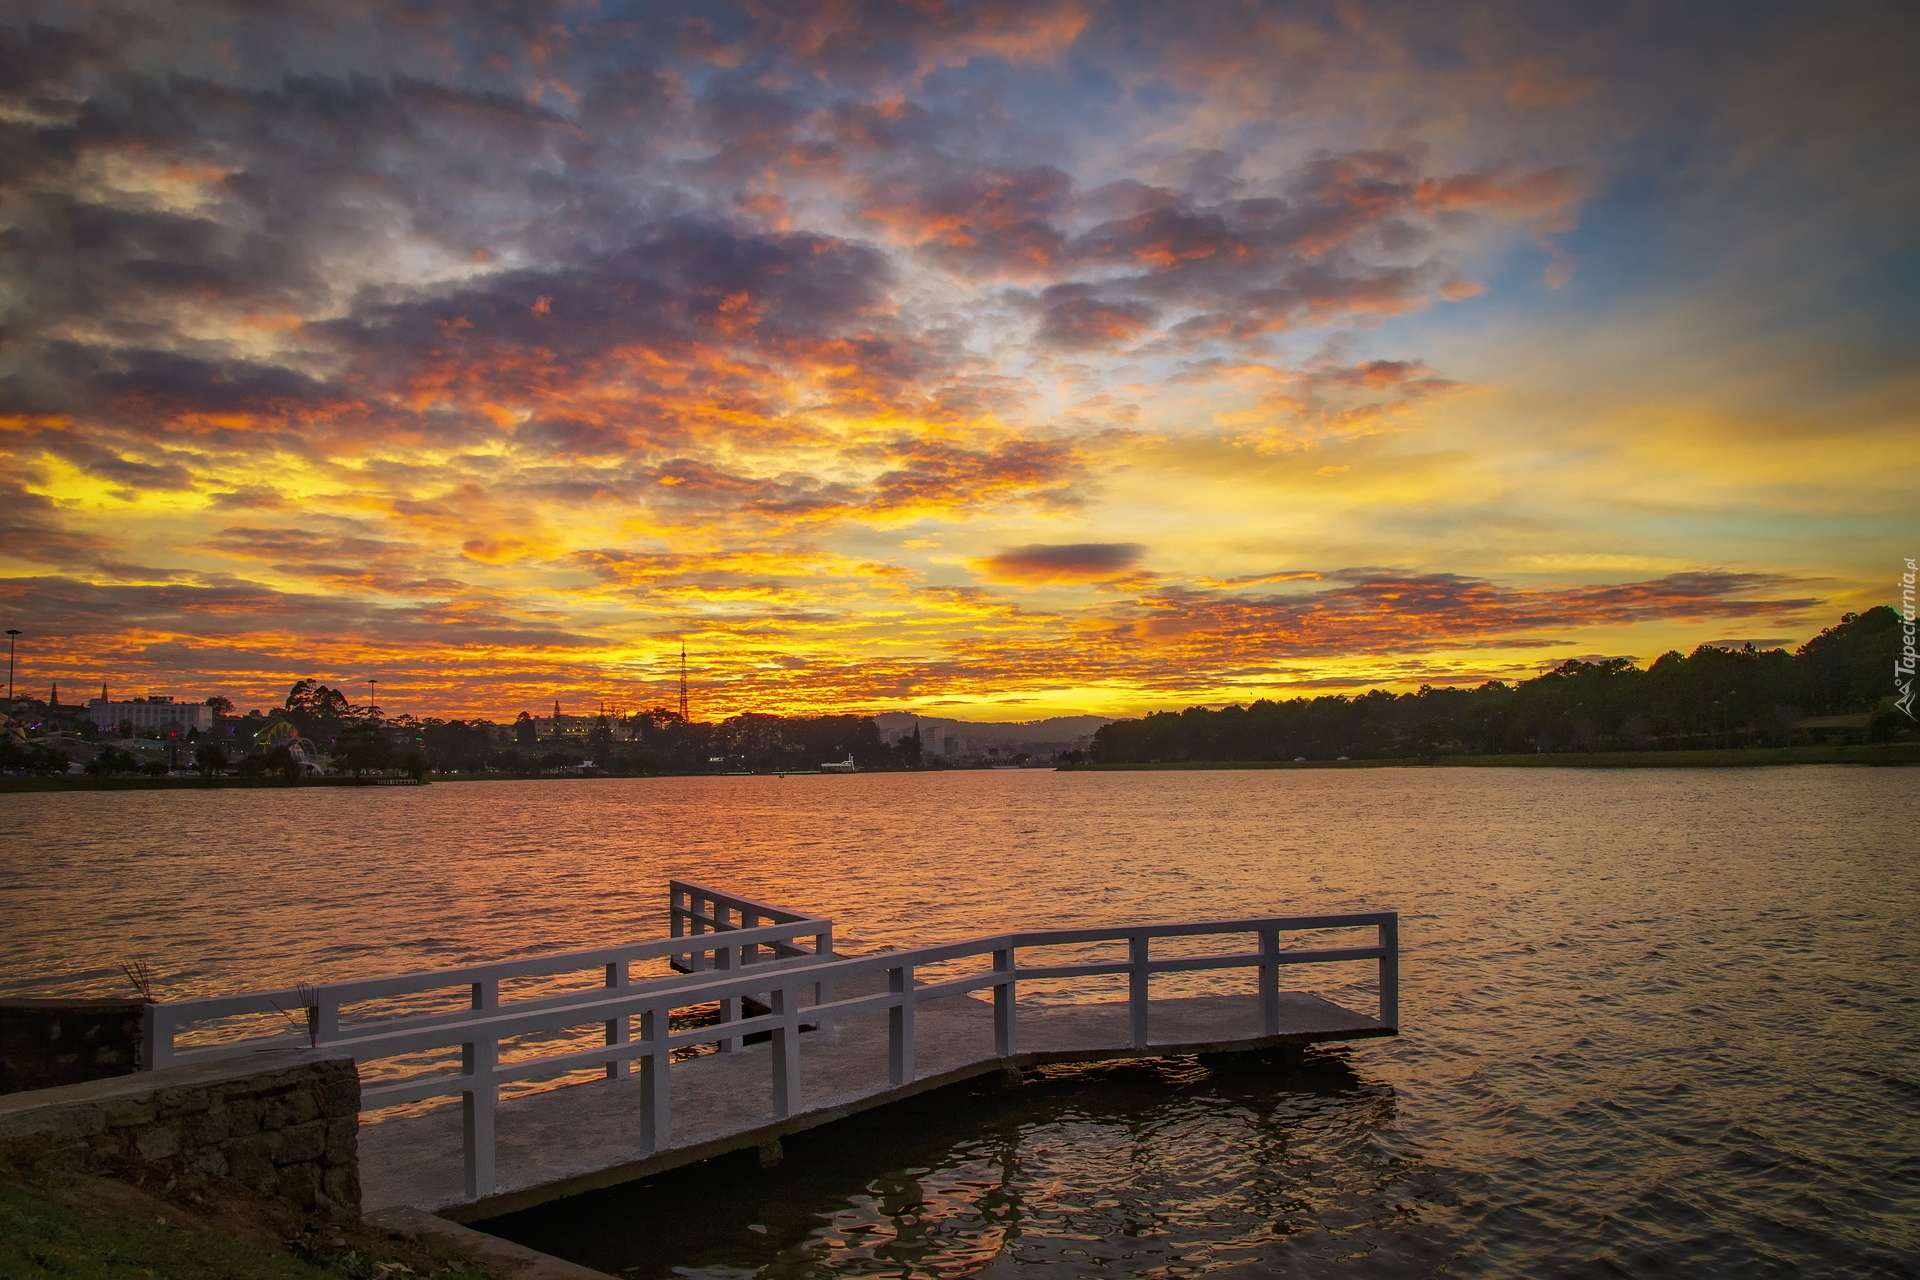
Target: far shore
<point>1893,753</point>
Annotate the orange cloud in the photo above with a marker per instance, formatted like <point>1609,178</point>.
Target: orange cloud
<point>1527,195</point>
<point>1539,82</point>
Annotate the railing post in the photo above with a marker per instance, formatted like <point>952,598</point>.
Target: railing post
<point>786,1052</point>
<point>478,1060</point>
<point>486,993</point>
<point>156,1037</point>
<point>1269,982</point>
<point>677,903</point>
<point>1137,987</point>
<point>900,1017</point>
<point>751,951</point>
<point>1003,1006</point>
<point>327,1019</point>
<point>722,923</point>
<point>617,1027</point>
<point>697,925</point>
<point>823,951</point>
<point>729,1005</point>
<point>1390,971</point>
<point>656,1086</point>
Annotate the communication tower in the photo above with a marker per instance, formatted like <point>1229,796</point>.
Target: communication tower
<point>683,682</point>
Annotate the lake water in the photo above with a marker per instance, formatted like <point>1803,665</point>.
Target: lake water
<point>1653,1021</point>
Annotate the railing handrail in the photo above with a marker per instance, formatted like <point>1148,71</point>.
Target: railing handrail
<point>164,1018</point>
<point>589,1005</point>
<point>676,889</point>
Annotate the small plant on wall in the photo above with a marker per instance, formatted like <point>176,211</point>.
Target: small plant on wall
<point>141,976</point>
<point>308,1016</point>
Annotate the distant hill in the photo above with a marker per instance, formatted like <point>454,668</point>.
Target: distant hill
<point>988,733</point>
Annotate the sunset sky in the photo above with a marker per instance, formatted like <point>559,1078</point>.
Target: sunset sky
<point>997,360</point>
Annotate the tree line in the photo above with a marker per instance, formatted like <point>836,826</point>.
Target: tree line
<point>361,739</point>
<point>1713,697</point>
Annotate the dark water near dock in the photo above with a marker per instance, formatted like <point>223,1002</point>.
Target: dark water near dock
<point>1655,1022</point>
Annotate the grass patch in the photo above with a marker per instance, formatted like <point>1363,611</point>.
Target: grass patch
<point>91,1229</point>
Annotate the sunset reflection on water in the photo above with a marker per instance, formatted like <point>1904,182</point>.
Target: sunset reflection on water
<point>1652,1018</point>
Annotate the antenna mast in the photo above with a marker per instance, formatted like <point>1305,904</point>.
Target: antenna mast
<point>683,682</point>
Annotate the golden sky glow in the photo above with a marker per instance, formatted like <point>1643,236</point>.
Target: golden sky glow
<point>995,360</point>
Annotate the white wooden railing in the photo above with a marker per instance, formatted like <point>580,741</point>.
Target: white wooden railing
<point>321,1007</point>
<point>694,910</point>
<point>724,949</point>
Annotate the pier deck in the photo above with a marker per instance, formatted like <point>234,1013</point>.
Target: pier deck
<point>587,1136</point>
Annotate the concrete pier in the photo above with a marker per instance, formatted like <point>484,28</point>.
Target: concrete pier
<point>587,1136</point>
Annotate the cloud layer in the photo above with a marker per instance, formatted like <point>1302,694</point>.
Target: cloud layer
<point>1044,351</point>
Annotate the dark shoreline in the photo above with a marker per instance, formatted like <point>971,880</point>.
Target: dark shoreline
<point>1904,753</point>
<point>1731,758</point>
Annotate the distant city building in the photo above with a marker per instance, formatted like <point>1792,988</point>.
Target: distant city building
<point>565,727</point>
<point>561,726</point>
<point>149,714</point>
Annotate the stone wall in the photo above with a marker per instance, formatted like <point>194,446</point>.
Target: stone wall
<point>44,1043</point>
<point>282,1124</point>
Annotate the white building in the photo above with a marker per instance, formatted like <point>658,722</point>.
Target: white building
<point>150,714</point>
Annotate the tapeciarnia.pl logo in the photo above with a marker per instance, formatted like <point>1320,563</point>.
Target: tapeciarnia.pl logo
<point>1903,667</point>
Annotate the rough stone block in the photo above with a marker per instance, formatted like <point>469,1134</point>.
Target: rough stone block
<point>123,1113</point>
<point>275,1113</point>
<point>79,1123</point>
<point>302,1143</point>
<point>341,1097</point>
<point>303,1106</point>
<point>111,1144</point>
<point>33,1131</point>
<point>64,1162</point>
<point>160,1142</point>
<point>300,1183</point>
<point>343,1140</point>
<point>179,1102</point>
<point>243,1116</point>
<point>342,1186</point>
<point>275,1132</point>
<point>250,1160</point>
<point>205,1130</point>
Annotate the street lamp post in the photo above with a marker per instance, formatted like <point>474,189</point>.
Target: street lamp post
<point>371,681</point>
<point>11,633</point>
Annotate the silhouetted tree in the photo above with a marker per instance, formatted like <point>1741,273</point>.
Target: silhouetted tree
<point>111,761</point>
<point>1712,697</point>
<point>210,757</point>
